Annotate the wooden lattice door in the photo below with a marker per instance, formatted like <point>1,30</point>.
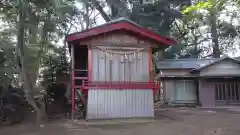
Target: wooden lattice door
<point>227,93</point>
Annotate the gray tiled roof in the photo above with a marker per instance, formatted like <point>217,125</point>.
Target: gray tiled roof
<point>188,63</point>
<point>183,63</point>
<point>220,59</point>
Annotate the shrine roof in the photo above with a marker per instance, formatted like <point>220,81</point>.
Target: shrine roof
<point>121,24</point>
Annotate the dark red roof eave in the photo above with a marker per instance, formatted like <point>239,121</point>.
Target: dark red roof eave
<point>117,26</point>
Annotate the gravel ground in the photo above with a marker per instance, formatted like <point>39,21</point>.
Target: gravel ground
<point>173,121</point>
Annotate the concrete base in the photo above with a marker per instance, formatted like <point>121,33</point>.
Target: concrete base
<point>115,121</point>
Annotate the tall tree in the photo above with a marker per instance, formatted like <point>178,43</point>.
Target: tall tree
<point>39,23</point>
<point>20,45</point>
<point>222,32</point>
<point>158,15</point>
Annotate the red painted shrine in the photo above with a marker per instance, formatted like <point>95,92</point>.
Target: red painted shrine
<point>112,69</point>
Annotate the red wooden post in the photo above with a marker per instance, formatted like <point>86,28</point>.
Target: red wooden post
<point>73,95</point>
<point>83,90</point>
<point>150,68</point>
<point>150,63</point>
<point>89,63</point>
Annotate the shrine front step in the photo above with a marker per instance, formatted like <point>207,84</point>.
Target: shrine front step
<point>115,121</point>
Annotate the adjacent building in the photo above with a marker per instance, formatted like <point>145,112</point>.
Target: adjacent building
<point>208,82</point>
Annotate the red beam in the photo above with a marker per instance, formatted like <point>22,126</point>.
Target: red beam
<point>150,63</point>
<point>89,63</point>
<point>117,85</point>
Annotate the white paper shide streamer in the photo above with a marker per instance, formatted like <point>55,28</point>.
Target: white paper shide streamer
<point>124,55</point>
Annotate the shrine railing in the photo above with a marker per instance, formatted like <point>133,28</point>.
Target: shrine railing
<point>117,85</point>
<point>80,76</point>
<point>86,85</point>
<point>80,73</point>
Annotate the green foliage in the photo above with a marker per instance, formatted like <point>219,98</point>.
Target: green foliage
<point>200,5</point>
<point>45,22</point>
<point>223,31</point>
<point>158,17</point>
<point>8,67</point>
<point>54,66</point>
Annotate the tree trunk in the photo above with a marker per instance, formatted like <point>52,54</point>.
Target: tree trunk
<point>28,88</point>
<point>214,35</point>
<point>87,15</point>
<point>32,42</point>
<point>119,7</point>
<point>97,5</point>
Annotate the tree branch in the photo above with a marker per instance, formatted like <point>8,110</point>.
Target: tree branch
<point>97,5</point>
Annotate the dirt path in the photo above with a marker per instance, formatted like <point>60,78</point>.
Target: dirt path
<point>168,122</point>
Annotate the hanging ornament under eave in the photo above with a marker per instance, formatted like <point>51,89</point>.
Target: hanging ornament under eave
<point>138,56</point>
<point>121,58</point>
<point>102,54</point>
<point>130,58</point>
<point>134,54</point>
<point>110,56</point>
<point>126,57</point>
